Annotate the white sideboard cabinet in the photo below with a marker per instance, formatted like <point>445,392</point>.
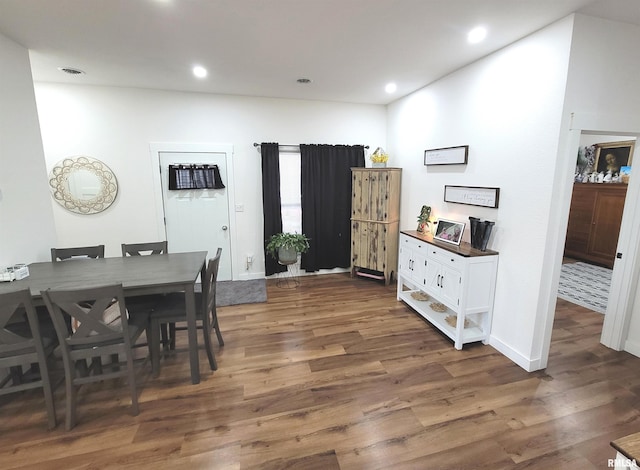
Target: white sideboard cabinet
<point>459,280</point>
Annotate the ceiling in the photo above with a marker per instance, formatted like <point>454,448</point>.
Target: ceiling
<point>349,49</point>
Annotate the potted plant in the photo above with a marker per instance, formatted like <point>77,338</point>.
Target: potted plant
<point>379,158</point>
<point>285,247</point>
<point>424,220</point>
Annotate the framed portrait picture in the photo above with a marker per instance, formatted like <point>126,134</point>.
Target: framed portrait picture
<point>449,231</point>
<point>613,156</point>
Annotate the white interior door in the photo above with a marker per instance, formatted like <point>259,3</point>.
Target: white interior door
<point>197,219</point>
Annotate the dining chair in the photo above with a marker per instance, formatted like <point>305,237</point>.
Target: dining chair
<point>63,254</point>
<point>21,345</point>
<point>141,249</point>
<point>92,323</point>
<point>172,310</point>
<point>146,303</point>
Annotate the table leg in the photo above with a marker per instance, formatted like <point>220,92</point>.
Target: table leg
<point>190,304</point>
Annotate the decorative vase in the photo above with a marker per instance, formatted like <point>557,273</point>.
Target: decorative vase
<point>486,233</point>
<point>474,222</point>
<point>379,165</point>
<point>480,233</point>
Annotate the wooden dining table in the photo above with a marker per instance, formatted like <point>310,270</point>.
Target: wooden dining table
<point>139,275</point>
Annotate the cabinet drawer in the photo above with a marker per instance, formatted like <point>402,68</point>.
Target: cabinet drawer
<point>413,244</point>
<point>445,258</point>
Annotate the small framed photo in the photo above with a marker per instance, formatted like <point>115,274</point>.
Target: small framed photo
<point>449,231</point>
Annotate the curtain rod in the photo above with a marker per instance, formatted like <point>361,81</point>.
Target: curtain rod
<point>256,144</point>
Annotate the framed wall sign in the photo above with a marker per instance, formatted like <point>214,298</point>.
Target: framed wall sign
<point>473,196</point>
<point>447,156</point>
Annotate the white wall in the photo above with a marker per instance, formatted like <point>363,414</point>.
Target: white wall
<point>116,126</point>
<point>508,109</point>
<point>26,218</point>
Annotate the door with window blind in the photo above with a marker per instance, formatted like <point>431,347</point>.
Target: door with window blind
<point>198,219</point>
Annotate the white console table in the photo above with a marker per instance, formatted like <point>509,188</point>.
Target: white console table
<point>461,278</point>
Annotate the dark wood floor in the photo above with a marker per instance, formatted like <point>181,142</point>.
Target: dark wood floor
<point>338,375</point>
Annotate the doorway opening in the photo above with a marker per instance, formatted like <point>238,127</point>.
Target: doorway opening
<point>594,228</point>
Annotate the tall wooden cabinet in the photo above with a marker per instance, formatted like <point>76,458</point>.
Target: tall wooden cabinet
<point>594,222</point>
<point>375,214</point>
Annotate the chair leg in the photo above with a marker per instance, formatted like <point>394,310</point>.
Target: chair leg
<point>48,394</point>
<point>16,374</point>
<point>96,365</point>
<point>135,410</point>
<point>209,347</point>
<point>165,337</point>
<point>149,345</point>
<point>70,420</point>
<point>115,360</point>
<point>154,347</point>
<point>218,334</point>
<point>172,336</point>
<point>82,368</point>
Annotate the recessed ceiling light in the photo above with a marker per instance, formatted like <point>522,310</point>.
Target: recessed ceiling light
<point>199,71</point>
<point>477,34</point>
<point>390,88</point>
<point>304,80</point>
<point>71,70</point>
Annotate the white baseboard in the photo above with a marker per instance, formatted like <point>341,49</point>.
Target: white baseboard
<point>527,364</point>
<point>250,276</point>
<point>632,347</point>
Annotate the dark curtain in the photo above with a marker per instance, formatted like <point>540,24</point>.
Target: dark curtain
<point>271,202</point>
<point>326,203</point>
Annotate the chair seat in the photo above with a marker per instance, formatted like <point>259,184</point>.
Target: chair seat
<point>137,324</point>
<point>23,329</point>
<point>173,305</point>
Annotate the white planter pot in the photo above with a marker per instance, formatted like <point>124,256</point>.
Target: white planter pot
<point>287,255</point>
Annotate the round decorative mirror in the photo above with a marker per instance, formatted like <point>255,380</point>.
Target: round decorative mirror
<point>83,185</point>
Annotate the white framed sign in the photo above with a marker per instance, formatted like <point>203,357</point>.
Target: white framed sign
<point>447,156</point>
<point>473,196</point>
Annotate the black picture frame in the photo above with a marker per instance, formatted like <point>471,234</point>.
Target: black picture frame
<point>447,156</point>
<point>472,195</point>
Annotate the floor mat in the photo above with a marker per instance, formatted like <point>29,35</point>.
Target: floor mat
<point>241,292</point>
<point>585,285</point>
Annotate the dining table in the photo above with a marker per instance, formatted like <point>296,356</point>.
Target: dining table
<point>139,275</point>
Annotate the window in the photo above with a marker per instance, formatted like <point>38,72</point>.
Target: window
<point>290,198</point>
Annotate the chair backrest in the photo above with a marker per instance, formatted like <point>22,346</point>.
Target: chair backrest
<point>209,283</point>
<point>62,254</point>
<point>141,249</point>
<point>16,338</point>
<point>88,316</point>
